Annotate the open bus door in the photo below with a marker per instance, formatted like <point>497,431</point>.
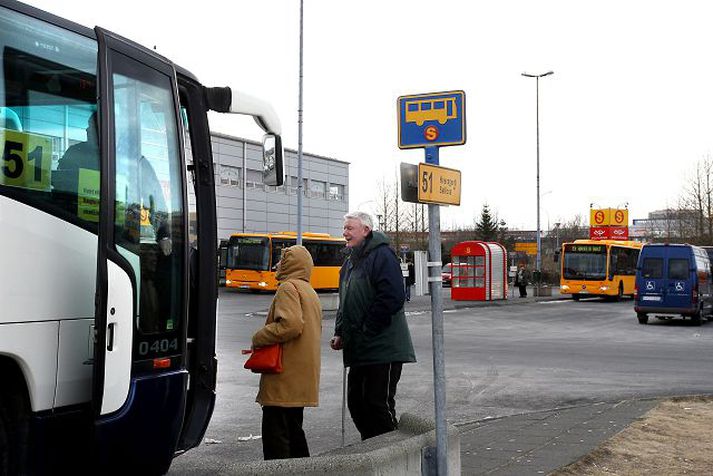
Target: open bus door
<point>140,376</point>
<point>156,299</point>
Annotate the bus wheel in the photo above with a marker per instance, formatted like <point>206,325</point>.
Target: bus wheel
<point>575,297</point>
<point>4,447</point>
<point>13,433</point>
<point>9,439</point>
<point>643,318</point>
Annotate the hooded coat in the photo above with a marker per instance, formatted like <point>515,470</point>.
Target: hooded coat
<point>295,320</point>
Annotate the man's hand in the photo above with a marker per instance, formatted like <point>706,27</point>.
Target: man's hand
<point>336,343</point>
<point>165,245</point>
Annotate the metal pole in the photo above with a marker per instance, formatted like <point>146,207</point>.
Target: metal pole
<point>539,245</point>
<point>538,262</point>
<point>344,401</point>
<point>300,186</point>
<point>439,373</point>
<point>439,367</point>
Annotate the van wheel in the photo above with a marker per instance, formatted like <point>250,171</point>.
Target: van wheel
<point>696,318</point>
<point>643,318</point>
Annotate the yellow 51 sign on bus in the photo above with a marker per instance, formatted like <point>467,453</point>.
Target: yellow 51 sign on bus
<point>26,160</point>
<point>438,185</point>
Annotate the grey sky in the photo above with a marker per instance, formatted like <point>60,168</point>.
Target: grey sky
<point>624,118</point>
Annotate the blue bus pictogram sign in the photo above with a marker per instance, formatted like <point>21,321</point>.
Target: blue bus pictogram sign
<point>431,120</point>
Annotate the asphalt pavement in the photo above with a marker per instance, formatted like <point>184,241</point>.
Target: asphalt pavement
<point>535,442</point>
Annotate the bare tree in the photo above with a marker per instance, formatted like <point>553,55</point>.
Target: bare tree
<point>573,229</point>
<point>384,205</point>
<point>693,219</point>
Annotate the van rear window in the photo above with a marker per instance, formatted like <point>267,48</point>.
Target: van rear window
<point>678,268</point>
<point>652,268</point>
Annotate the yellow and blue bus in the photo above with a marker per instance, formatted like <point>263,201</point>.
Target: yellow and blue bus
<point>599,268</point>
<point>252,259</point>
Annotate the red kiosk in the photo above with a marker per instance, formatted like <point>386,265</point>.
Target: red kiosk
<point>479,271</point>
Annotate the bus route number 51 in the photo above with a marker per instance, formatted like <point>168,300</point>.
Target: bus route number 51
<point>26,160</point>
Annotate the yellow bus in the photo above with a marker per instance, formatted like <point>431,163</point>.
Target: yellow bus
<point>599,268</point>
<point>438,109</point>
<point>252,259</point>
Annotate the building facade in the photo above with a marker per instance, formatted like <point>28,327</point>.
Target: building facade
<point>246,204</point>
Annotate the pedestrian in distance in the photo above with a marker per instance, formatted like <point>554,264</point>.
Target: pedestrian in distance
<point>295,321</point>
<point>521,280</point>
<point>410,280</point>
<point>371,328</point>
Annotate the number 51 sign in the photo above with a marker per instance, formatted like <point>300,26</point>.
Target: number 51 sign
<point>438,185</point>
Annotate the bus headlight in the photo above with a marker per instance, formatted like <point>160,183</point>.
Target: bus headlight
<point>604,288</point>
<point>564,287</point>
<point>228,281</point>
<point>262,284</point>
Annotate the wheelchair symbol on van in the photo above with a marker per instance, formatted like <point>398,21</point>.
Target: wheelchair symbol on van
<point>679,286</point>
<point>649,285</point>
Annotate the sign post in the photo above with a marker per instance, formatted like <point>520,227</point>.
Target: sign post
<point>431,121</point>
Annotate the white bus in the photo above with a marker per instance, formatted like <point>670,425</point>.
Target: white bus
<point>107,327</point>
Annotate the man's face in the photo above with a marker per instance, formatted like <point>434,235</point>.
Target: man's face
<point>354,232</point>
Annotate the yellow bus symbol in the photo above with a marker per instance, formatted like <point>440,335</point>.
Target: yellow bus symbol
<point>422,110</point>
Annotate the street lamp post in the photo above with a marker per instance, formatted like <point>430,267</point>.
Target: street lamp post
<point>538,262</point>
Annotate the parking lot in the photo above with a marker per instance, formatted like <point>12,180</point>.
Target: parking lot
<point>501,359</point>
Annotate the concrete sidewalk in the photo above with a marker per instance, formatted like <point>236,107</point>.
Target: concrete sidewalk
<point>541,442</point>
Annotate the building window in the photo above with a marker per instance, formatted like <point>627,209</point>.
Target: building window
<point>230,176</point>
<point>253,179</point>
<point>336,192</point>
<point>318,189</point>
<point>292,189</point>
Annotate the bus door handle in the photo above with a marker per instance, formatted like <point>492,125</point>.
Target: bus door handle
<point>110,336</point>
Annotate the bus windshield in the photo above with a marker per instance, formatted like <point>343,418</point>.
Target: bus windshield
<point>248,252</point>
<point>585,262</point>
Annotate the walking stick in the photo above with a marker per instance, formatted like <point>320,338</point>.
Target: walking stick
<point>344,400</point>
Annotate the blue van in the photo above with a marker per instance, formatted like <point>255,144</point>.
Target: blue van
<point>673,279</point>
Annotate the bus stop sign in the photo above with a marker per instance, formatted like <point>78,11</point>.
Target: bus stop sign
<point>431,120</point>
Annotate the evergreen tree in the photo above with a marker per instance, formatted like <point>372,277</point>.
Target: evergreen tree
<point>488,228</point>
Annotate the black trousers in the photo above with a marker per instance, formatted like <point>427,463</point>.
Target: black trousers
<point>371,392</point>
<point>282,434</point>
<point>523,290</point>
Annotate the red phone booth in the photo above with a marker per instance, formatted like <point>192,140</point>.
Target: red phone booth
<point>479,271</point>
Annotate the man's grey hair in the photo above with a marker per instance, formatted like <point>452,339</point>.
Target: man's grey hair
<point>364,218</point>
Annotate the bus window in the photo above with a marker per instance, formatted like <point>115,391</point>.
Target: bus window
<point>326,253</point>
<point>49,96</point>
<point>277,246</point>
<point>585,262</point>
<point>247,252</point>
<point>149,196</point>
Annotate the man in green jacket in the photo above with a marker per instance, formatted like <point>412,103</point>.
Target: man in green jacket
<point>371,326</point>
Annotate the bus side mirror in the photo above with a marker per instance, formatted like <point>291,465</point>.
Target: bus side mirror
<point>273,170</point>
<point>557,256</point>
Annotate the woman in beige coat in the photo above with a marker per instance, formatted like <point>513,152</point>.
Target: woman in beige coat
<point>295,321</point>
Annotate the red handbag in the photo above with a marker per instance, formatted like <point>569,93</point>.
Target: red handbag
<point>265,360</point>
